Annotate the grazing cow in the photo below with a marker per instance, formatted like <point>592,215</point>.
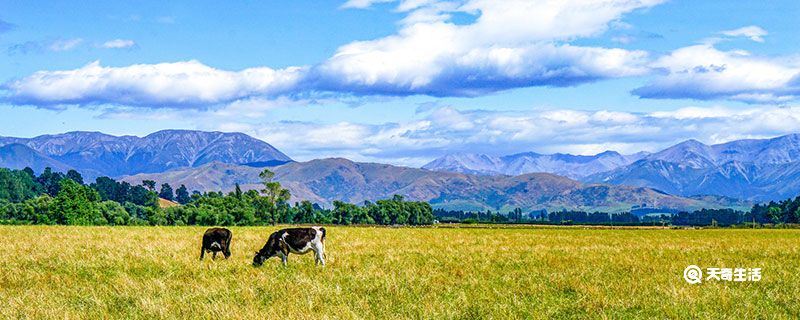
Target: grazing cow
<point>216,240</point>
<point>294,240</point>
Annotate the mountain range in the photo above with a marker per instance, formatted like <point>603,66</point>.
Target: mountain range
<point>325,180</point>
<point>752,169</point>
<point>687,175</point>
<point>95,154</point>
<point>766,169</point>
<point>572,166</point>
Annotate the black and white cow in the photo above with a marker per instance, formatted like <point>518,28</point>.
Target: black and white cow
<point>216,240</point>
<point>294,240</point>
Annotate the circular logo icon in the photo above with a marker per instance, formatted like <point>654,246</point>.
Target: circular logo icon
<point>692,274</point>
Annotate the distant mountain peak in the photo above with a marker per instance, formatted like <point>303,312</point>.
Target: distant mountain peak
<point>156,152</point>
<point>608,153</point>
<point>326,180</point>
<point>573,166</point>
<point>755,169</point>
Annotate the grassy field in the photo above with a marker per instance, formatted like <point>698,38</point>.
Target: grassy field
<point>448,273</point>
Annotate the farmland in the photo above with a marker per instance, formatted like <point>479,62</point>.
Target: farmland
<point>377,272</point>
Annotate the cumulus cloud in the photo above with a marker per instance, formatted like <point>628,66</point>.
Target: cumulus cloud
<point>755,33</point>
<point>704,72</point>
<point>507,44</point>
<point>362,4</point>
<point>446,130</point>
<point>65,44</point>
<point>57,45</point>
<point>239,110</point>
<point>118,44</point>
<point>180,84</point>
<point>510,44</point>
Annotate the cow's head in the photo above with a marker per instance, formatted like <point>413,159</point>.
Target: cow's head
<point>259,259</point>
<point>271,249</point>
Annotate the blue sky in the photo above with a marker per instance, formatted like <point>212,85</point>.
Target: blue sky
<point>406,81</point>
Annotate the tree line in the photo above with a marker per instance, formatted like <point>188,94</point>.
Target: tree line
<point>64,198</point>
<point>781,212</point>
<point>58,198</point>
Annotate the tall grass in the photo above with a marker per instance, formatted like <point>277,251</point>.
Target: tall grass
<point>453,273</point>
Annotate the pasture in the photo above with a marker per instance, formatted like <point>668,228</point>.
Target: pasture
<point>64,272</point>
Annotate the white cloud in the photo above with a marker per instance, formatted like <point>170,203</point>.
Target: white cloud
<point>705,72</point>
<point>511,44</point>
<point>590,132</point>
<point>449,129</point>
<point>188,83</point>
<point>694,113</point>
<point>755,33</point>
<point>118,44</point>
<point>507,44</point>
<point>65,44</point>
<point>362,4</point>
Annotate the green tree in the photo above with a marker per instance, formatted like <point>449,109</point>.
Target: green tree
<point>237,192</point>
<point>143,197</point>
<point>775,214</point>
<point>75,204</point>
<point>50,181</point>
<point>41,208</point>
<point>166,192</point>
<point>114,213</point>
<point>274,195</point>
<point>305,212</point>
<point>343,212</point>
<point>29,172</point>
<point>182,195</point>
<point>17,186</point>
<point>149,184</point>
<point>75,176</point>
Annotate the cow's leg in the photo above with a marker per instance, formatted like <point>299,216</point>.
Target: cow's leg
<point>284,258</point>
<point>214,256</point>
<point>202,252</point>
<point>227,247</point>
<point>320,253</point>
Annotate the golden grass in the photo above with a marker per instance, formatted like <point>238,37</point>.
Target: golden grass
<point>441,273</point>
<point>164,203</point>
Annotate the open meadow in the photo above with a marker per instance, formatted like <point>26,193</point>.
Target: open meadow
<point>375,272</point>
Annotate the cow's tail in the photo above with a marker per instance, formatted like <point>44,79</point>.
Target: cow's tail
<point>323,233</point>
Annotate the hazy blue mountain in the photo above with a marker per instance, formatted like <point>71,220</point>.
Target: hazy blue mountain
<point>325,180</point>
<point>471,163</point>
<point>573,166</point>
<point>19,156</point>
<point>765,169</point>
<point>160,151</point>
<point>755,169</point>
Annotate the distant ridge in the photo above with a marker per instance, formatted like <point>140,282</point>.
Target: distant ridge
<point>97,153</point>
<point>752,169</point>
<point>19,156</point>
<point>325,180</point>
<point>572,166</point>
